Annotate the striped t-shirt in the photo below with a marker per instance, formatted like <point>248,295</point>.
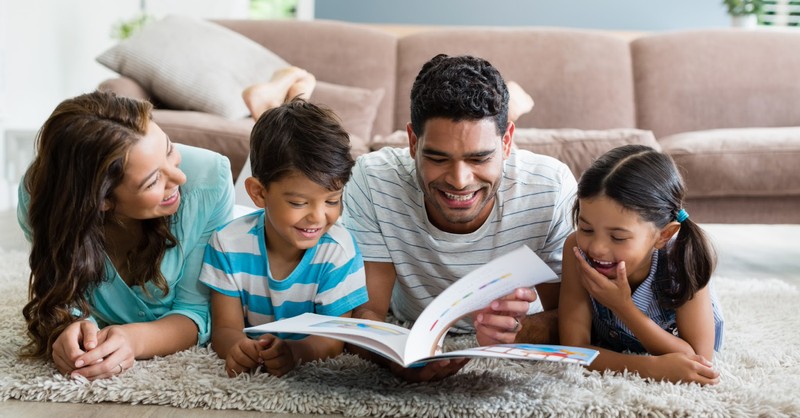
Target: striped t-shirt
<point>385,210</point>
<point>329,280</point>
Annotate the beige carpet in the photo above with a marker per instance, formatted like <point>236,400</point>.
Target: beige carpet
<point>760,366</point>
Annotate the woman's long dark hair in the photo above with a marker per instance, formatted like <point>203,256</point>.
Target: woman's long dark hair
<point>647,182</point>
<point>81,155</point>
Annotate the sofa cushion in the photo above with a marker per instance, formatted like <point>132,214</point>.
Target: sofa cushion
<point>193,64</point>
<point>577,148</point>
<point>738,162</point>
<point>355,106</point>
<point>574,147</point>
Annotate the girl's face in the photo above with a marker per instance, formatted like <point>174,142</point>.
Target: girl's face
<point>608,233</point>
<point>150,187</point>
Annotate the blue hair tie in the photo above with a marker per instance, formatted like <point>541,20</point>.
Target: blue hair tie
<point>682,215</point>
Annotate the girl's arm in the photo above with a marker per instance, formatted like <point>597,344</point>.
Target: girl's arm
<point>615,294</point>
<point>575,329</point>
<point>695,320</point>
<point>574,305</point>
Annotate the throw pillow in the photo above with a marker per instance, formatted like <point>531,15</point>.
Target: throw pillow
<point>193,64</point>
<point>578,148</point>
<point>356,108</point>
<point>574,147</point>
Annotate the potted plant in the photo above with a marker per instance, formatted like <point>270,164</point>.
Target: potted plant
<point>744,13</point>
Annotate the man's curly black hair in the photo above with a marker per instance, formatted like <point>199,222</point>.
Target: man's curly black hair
<point>458,88</point>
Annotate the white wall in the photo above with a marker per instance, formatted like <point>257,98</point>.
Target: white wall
<point>48,47</point>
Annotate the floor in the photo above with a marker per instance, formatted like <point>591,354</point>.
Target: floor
<point>744,251</point>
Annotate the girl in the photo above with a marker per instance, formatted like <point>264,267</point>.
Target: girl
<point>118,217</point>
<point>630,284</point>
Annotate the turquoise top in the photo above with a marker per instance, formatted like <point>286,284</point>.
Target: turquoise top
<point>207,201</point>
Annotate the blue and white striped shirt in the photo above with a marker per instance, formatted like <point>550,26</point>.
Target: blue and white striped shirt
<point>329,280</point>
<point>385,210</point>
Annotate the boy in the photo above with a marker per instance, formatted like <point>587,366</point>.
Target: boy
<point>291,257</point>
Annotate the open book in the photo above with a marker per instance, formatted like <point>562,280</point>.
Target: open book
<point>421,344</point>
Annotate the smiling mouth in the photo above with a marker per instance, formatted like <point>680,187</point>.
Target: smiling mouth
<point>459,197</point>
<point>171,197</point>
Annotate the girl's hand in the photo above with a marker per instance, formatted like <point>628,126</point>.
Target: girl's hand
<point>113,355</point>
<point>500,322</point>
<point>611,293</point>
<point>75,340</point>
<point>685,368</point>
<point>276,356</point>
<point>244,356</point>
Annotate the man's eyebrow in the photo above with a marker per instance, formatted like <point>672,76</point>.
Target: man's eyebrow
<point>476,154</point>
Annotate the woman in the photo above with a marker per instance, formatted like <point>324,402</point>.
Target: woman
<point>118,218</point>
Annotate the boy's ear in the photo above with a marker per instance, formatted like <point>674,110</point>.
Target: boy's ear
<point>256,191</point>
<point>667,233</point>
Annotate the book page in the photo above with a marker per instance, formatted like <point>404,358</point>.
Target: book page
<point>386,339</point>
<point>556,353</point>
<point>498,278</point>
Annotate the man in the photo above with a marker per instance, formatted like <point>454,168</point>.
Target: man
<point>458,196</point>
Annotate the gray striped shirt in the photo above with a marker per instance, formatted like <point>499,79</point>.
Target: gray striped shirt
<point>384,209</point>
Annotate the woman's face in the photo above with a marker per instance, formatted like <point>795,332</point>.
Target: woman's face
<point>150,187</point>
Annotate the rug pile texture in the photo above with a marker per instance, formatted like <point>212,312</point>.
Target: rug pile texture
<point>759,364</point>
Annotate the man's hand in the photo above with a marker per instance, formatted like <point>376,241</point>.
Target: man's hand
<point>430,372</point>
<point>500,322</point>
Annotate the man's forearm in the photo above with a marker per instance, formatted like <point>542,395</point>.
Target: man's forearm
<point>540,328</point>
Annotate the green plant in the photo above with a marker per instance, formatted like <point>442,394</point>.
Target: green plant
<point>125,28</point>
<point>744,7</point>
<point>273,9</point>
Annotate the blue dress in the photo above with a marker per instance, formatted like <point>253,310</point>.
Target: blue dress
<point>609,332</point>
<point>207,201</point>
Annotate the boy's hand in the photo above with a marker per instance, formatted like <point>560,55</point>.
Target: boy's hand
<point>244,356</point>
<point>276,355</point>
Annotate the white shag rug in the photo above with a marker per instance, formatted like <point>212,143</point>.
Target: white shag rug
<point>760,366</point>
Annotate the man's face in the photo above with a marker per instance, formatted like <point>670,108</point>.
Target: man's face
<point>459,168</point>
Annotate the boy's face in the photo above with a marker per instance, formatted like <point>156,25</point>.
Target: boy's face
<point>297,211</point>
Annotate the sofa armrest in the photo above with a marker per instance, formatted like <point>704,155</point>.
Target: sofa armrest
<point>124,86</point>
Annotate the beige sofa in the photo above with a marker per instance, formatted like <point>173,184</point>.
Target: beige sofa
<point>724,103</point>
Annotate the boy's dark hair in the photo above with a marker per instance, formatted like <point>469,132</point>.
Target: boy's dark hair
<point>301,137</point>
<point>648,183</point>
<point>458,88</point>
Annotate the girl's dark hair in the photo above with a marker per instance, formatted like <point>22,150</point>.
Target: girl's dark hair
<point>80,160</point>
<point>458,88</point>
<point>301,137</point>
<point>647,182</point>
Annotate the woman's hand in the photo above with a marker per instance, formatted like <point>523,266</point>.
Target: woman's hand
<point>75,340</point>
<point>114,353</point>
<point>500,322</point>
